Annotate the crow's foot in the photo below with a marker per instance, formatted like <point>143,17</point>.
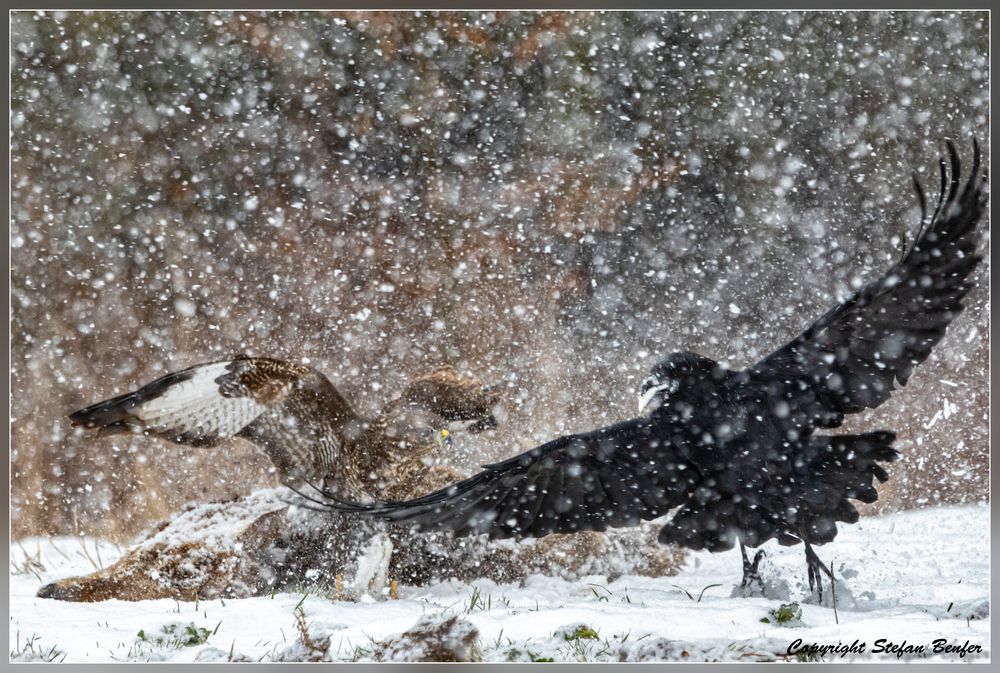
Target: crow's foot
<point>750,569</point>
<point>816,570</point>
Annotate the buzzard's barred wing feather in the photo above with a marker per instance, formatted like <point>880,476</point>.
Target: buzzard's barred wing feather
<point>187,407</point>
<point>292,411</point>
<point>852,357</point>
<point>615,476</point>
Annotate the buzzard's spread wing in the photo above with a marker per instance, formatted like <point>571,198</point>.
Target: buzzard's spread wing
<point>453,397</point>
<point>849,359</point>
<point>292,411</point>
<point>615,476</point>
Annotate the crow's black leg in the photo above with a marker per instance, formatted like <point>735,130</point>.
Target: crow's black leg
<point>815,566</point>
<point>750,567</point>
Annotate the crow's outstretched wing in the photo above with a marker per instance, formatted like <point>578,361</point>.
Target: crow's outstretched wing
<point>615,476</point>
<point>292,411</point>
<point>850,359</point>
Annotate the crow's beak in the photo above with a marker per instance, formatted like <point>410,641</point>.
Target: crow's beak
<point>646,398</point>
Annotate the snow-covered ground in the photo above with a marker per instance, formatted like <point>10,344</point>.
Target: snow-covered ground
<point>911,577</point>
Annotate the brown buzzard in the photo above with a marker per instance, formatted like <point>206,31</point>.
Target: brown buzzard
<point>300,420</point>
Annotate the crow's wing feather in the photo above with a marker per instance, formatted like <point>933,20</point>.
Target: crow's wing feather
<point>615,476</point>
<point>850,358</point>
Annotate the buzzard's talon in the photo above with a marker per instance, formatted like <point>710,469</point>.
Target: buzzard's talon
<point>482,425</point>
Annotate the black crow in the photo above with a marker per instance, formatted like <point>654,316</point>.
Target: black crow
<point>735,451</point>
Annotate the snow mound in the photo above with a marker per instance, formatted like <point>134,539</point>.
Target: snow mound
<point>433,638</point>
<point>914,578</point>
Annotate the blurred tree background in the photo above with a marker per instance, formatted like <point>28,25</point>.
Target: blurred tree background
<point>551,201</point>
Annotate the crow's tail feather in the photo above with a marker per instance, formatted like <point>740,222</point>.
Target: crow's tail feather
<point>836,470</point>
<point>803,503</point>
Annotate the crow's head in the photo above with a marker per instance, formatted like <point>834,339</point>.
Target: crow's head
<point>675,372</point>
